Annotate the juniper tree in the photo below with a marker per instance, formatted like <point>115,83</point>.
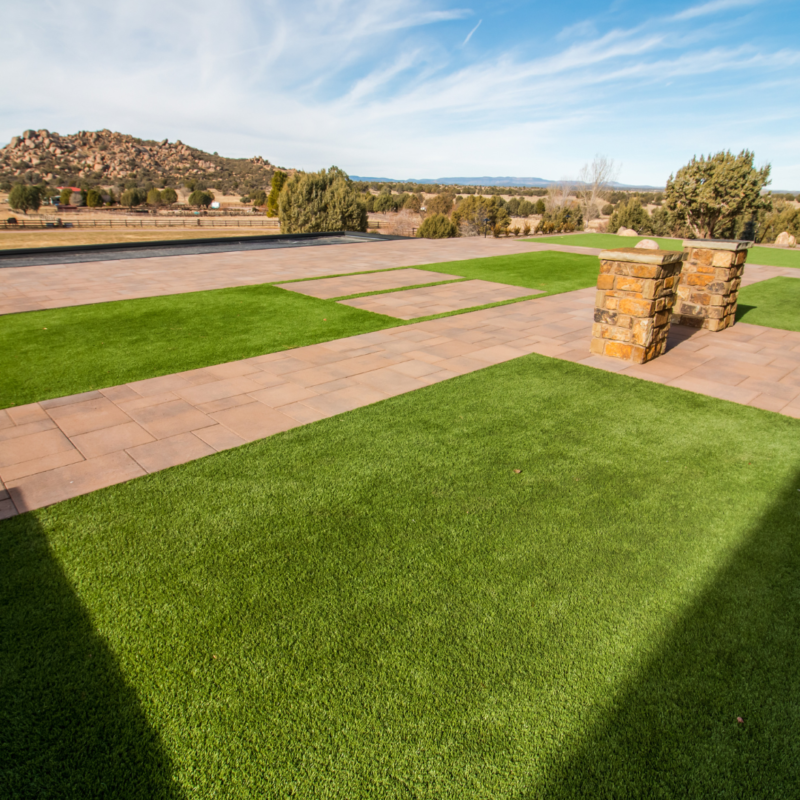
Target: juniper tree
<point>315,202</point>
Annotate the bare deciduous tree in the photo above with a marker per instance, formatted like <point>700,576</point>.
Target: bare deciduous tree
<point>593,182</point>
<point>559,195</point>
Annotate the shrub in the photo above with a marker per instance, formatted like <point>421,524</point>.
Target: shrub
<point>169,196</point>
<point>438,226</point>
<point>94,199</point>
<point>607,210</point>
<point>516,230</point>
<point>64,196</point>
<point>259,198</point>
<point>314,202</point>
<point>539,207</point>
<point>441,204</point>
<point>477,214</point>
<point>25,198</point>
<point>154,197</point>
<point>278,182</point>
<point>385,202</point>
<point>561,220</point>
<point>513,206</point>
<point>526,208</point>
<point>630,214</point>
<point>200,198</point>
<point>784,217</point>
<point>413,203</point>
<point>526,229</point>
<point>131,197</point>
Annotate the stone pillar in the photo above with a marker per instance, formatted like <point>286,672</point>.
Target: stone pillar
<point>635,295</point>
<point>709,287</point>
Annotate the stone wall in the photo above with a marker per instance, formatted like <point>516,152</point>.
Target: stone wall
<point>709,286</point>
<point>635,296</point>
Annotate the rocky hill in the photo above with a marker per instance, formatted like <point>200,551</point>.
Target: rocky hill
<point>105,158</point>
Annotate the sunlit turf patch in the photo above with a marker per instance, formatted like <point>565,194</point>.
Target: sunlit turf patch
<point>768,256</point>
<point>774,303</point>
<point>535,580</point>
<point>65,351</point>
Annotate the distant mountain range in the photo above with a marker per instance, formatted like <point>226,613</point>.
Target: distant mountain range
<point>539,183</point>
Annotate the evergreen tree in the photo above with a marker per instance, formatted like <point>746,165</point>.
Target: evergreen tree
<point>438,226</point>
<point>278,181</point>
<point>314,202</point>
<point>25,198</point>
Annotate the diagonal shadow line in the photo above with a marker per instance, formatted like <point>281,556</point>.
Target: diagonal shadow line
<point>70,725</point>
<point>673,731</point>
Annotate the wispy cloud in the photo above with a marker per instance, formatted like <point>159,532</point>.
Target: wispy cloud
<point>469,35</point>
<point>390,89</point>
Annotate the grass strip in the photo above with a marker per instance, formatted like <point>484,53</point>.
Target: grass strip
<point>767,256</point>
<point>529,581</point>
<point>773,303</point>
<point>65,351</point>
<point>397,289</point>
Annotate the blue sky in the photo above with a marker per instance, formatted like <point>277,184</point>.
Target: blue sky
<point>419,89</point>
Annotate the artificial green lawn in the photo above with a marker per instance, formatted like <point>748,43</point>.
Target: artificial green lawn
<point>379,606</point>
<point>768,256</point>
<point>774,303</point>
<point>65,351</point>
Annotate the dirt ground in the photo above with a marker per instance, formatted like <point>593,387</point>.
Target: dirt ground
<point>11,240</point>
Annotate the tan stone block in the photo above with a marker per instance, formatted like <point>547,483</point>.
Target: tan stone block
<point>724,258</point>
<point>714,312</point>
<point>721,274</point>
<point>624,283</point>
<point>638,354</point>
<point>636,307</point>
<point>615,333</point>
<point>703,269</point>
<point>713,324</point>
<point>618,350</point>
<point>600,300</point>
<point>683,290</point>
<point>644,270</point>
<point>701,256</point>
<point>662,318</point>
<point>718,300</point>
<point>699,280</point>
<point>741,257</point>
<point>612,303</point>
<point>596,346</point>
<point>700,298</point>
<point>642,332</point>
<point>624,321</point>
<point>605,282</point>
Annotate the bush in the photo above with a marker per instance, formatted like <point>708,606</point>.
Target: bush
<point>476,214</point>
<point>315,202</point>
<point>516,230</point>
<point>562,220</point>
<point>200,198</point>
<point>438,226</point>
<point>259,198</point>
<point>441,204</point>
<point>131,197</point>
<point>526,208</point>
<point>385,202</point>
<point>413,203</point>
<point>630,214</point>
<point>154,197</point>
<point>94,199</point>
<point>64,196</point>
<point>526,229</point>
<point>25,198</point>
<point>607,210</point>
<point>169,196</point>
<point>783,217</point>
<point>278,182</point>
<point>539,207</point>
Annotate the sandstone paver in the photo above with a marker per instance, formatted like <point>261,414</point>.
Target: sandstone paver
<point>326,288</point>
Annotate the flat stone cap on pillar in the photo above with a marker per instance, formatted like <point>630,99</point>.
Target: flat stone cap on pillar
<point>639,256</point>
<point>733,245</point>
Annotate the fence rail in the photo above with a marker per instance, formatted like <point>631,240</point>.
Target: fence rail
<point>197,222</point>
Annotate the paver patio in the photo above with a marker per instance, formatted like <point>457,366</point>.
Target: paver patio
<point>431,300</point>
<point>327,288</point>
<point>60,285</point>
<point>61,448</point>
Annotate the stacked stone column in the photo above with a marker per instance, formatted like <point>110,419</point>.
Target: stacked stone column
<point>635,296</point>
<point>710,280</point>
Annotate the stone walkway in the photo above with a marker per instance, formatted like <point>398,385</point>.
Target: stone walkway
<point>430,300</point>
<point>328,288</point>
<point>57,449</point>
<point>60,285</point>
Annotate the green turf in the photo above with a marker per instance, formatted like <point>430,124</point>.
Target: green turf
<point>774,303</point>
<point>379,606</point>
<point>65,351</point>
<point>768,256</point>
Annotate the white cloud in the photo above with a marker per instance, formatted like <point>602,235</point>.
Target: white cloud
<point>469,35</point>
<point>713,7</point>
<point>377,90</point>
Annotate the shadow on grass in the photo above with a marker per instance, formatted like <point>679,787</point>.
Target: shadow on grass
<point>70,726</point>
<point>741,310</point>
<point>735,654</point>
